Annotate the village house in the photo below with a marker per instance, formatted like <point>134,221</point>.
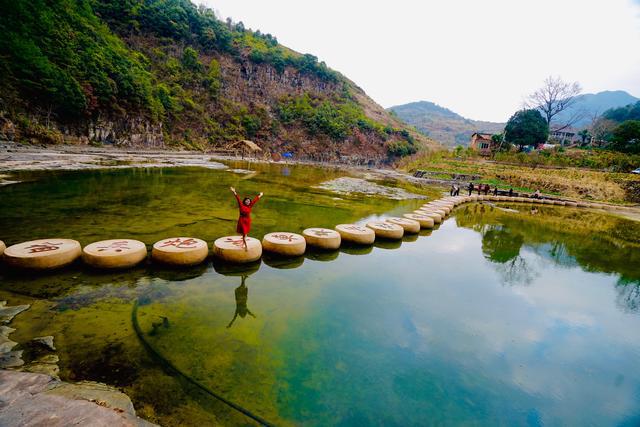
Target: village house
<point>562,136</point>
<point>482,143</point>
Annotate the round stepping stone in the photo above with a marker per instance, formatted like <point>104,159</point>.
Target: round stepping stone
<point>386,230</point>
<point>114,253</point>
<point>442,203</point>
<point>547,202</point>
<point>445,208</point>
<point>180,251</point>
<point>323,238</point>
<point>356,234</point>
<point>571,204</point>
<point>2,247</point>
<point>423,220</point>
<point>42,254</point>
<point>425,211</point>
<point>231,249</point>
<point>559,202</point>
<point>582,204</point>
<point>437,216</point>
<point>410,226</point>
<point>284,243</point>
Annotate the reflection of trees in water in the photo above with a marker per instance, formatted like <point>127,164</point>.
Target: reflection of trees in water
<point>628,298</point>
<point>502,246</point>
<point>568,237</point>
<point>517,271</point>
<point>556,252</point>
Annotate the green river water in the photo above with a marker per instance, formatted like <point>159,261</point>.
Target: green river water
<point>501,316</point>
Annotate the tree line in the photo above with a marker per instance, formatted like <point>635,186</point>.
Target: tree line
<point>616,129</point>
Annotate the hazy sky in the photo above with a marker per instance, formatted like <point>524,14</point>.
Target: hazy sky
<point>478,58</point>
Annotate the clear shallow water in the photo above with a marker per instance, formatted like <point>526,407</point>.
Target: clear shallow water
<point>496,318</point>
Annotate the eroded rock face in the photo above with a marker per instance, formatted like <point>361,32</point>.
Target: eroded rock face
<point>136,132</point>
<point>37,399</point>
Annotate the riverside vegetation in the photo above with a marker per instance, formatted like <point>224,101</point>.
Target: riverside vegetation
<point>586,174</point>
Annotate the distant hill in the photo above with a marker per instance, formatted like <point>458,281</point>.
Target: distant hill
<point>451,129</point>
<point>591,104</point>
<point>442,124</point>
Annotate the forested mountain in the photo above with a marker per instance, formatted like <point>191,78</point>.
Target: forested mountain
<point>167,73</point>
<point>442,124</point>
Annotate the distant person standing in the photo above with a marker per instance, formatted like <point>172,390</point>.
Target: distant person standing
<point>470,188</point>
<point>452,191</point>
<point>495,190</point>
<point>536,195</point>
<point>457,193</point>
<point>487,188</point>
<point>511,192</point>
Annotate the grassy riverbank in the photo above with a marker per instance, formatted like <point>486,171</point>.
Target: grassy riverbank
<point>529,175</point>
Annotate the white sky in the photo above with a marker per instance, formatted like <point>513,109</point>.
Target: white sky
<point>478,58</point>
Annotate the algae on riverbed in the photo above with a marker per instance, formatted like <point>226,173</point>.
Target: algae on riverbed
<point>441,327</point>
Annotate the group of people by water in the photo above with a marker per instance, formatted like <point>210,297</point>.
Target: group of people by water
<point>485,189</point>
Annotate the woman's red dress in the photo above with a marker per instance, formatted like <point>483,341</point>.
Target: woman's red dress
<point>244,221</point>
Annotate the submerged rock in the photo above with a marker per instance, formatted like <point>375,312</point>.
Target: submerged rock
<point>5,343</point>
<point>349,185</point>
<point>11,359</point>
<point>47,365</point>
<point>7,313</point>
<point>37,399</point>
<point>45,342</point>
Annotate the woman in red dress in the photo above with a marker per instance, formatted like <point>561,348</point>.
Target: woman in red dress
<point>244,221</point>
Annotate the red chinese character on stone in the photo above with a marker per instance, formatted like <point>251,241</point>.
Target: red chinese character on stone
<point>116,246</point>
<point>287,237</point>
<point>321,232</point>
<point>179,243</point>
<point>43,247</point>
<point>235,242</point>
<point>355,228</point>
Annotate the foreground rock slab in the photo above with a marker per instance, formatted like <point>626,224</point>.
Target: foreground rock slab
<point>7,313</point>
<point>29,399</point>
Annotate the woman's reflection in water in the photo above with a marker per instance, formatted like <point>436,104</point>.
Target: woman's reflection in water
<point>242,293</point>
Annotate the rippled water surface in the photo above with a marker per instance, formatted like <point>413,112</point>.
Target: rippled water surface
<point>499,317</point>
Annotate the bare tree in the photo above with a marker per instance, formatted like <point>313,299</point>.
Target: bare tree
<point>554,97</point>
<point>601,130</point>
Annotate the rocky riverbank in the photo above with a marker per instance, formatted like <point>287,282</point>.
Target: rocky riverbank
<point>32,394</point>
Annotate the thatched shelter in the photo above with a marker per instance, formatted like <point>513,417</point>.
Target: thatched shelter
<point>245,147</point>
